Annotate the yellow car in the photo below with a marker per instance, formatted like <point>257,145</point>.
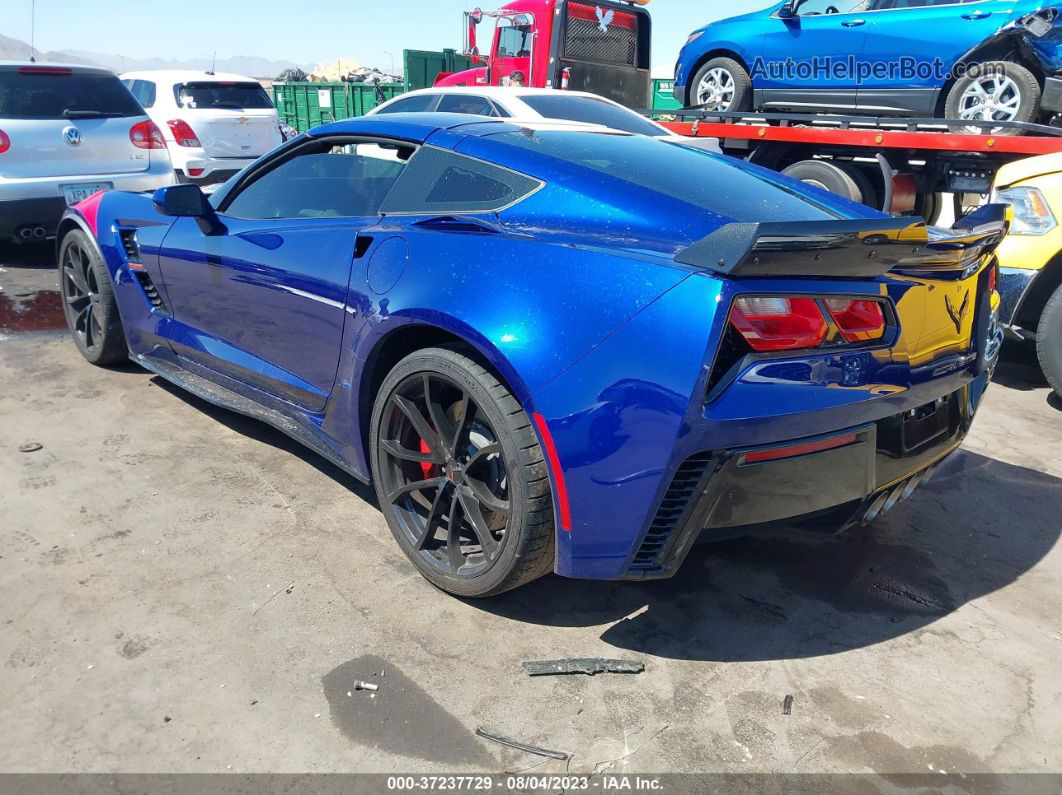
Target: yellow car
<point>1030,259</point>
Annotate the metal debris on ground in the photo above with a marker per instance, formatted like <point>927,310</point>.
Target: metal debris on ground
<point>787,705</point>
<point>359,685</point>
<point>519,746</point>
<point>582,665</point>
<point>30,447</point>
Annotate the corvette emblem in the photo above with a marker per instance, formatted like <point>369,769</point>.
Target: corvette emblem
<point>957,314</point>
<point>604,19</point>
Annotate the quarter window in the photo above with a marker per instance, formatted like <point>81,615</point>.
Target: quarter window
<point>417,104</point>
<point>327,179</point>
<point>144,91</point>
<point>437,181</point>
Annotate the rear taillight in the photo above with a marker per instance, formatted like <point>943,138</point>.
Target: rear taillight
<point>196,172</point>
<point>771,323</point>
<point>778,323</point>
<point>183,133</point>
<point>993,272</point>
<point>857,320</point>
<point>145,135</point>
<point>5,142</point>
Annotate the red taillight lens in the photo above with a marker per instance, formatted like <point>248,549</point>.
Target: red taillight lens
<point>857,320</point>
<point>196,172</point>
<point>145,135</point>
<point>182,133</point>
<point>5,142</point>
<point>778,323</point>
<point>45,70</point>
<point>993,272</point>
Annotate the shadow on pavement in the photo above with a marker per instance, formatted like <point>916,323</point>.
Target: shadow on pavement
<point>267,434</point>
<point>31,255</point>
<point>1018,367</point>
<point>977,527</point>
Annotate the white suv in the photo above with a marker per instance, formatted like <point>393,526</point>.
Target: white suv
<point>67,132</point>
<point>214,124</point>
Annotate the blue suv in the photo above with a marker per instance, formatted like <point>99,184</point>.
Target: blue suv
<point>906,57</point>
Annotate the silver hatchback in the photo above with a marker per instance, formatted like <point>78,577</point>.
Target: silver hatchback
<point>67,132</point>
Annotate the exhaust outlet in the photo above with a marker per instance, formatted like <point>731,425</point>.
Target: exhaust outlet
<point>25,233</point>
<point>39,232</point>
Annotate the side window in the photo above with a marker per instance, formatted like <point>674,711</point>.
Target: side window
<point>810,8</point>
<point>466,103</point>
<point>144,91</point>
<point>438,181</point>
<point>417,104</point>
<point>328,179</point>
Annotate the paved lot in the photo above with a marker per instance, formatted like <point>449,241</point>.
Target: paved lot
<point>183,589</point>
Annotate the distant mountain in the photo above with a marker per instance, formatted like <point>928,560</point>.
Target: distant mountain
<point>16,50</point>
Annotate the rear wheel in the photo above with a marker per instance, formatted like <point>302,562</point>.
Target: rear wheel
<point>1049,341</point>
<point>721,84</point>
<point>826,175</point>
<point>88,301</point>
<point>460,476</point>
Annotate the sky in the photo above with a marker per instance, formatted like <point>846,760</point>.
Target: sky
<point>316,31</point>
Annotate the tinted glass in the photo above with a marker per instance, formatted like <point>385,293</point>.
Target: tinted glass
<point>703,179</point>
<point>326,181</point>
<point>438,181</point>
<point>464,103</point>
<point>144,91</point>
<point>223,96</point>
<point>56,96</point>
<point>591,111</point>
<point>416,104</point>
<point>514,40</point>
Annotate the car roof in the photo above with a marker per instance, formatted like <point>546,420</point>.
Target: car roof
<point>498,92</point>
<point>418,127</point>
<point>75,67</point>
<point>185,76</point>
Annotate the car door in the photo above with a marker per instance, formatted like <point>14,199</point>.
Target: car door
<point>912,45</point>
<point>796,70</point>
<point>264,300</point>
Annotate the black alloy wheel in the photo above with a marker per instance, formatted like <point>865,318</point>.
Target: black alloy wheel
<point>460,476</point>
<point>88,301</point>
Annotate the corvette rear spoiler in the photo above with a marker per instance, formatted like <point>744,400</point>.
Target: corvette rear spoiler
<point>858,248</point>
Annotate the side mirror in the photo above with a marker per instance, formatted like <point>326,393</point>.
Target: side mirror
<point>788,9</point>
<point>188,201</point>
<point>182,201</point>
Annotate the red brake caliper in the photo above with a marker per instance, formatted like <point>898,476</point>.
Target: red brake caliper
<point>427,467</point>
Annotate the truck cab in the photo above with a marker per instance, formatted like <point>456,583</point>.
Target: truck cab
<point>601,47</point>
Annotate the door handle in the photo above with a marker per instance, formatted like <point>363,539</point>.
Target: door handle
<point>977,15</point>
<point>855,23</point>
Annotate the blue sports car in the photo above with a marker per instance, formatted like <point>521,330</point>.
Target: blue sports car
<point>963,59</point>
<point>549,348</point>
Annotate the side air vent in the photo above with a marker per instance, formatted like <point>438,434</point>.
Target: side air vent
<point>130,246</point>
<point>150,290</point>
<point>670,512</point>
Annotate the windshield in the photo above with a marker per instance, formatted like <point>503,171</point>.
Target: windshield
<point>63,95</point>
<point>592,111</point>
<point>222,95</point>
<point>715,182</point>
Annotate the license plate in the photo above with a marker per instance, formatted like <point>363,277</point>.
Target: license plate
<point>76,193</point>
<point>926,423</point>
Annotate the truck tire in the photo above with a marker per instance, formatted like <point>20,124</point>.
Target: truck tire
<point>826,175</point>
<point>1009,84</point>
<point>721,84</point>
<point>1049,341</point>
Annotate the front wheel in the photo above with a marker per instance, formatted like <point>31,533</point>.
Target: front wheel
<point>460,476</point>
<point>994,91</point>
<point>88,301</point>
<point>1049,341</point>
<point>722,84</point>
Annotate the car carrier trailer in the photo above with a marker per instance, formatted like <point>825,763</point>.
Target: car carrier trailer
<point>899,165</point>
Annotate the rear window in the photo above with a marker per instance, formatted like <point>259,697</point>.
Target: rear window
<point>416,104</point>
<point>700,178</point>
<point>222,96</point>
<point>41,95</point>
<point>591,111</point>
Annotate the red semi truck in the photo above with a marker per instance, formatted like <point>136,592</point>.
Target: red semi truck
<point>601,46</point>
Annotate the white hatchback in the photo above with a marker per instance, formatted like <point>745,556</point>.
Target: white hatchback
<point>67,132</point>
<point>214,124</point>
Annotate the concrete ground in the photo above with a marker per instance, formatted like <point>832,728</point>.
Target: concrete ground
<point>183,589</point>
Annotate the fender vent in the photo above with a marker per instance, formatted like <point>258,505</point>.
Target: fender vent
<point>670,511</point>
<point>150,291</point>
<point>130,246</point>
